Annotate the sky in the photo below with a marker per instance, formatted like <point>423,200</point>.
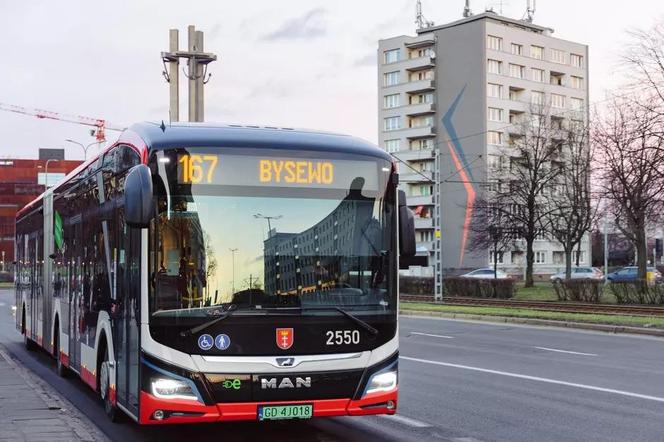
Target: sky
<point>308,63</point>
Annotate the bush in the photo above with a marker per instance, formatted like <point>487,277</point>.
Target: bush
<point>480,288</point>
<point>415,285</point>
<point>638,292</point>
<point>6,277</point>
<point>579,290</point>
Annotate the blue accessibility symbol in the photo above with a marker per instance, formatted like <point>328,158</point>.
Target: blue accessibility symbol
<point>222,342</point>
<point>205,342</point>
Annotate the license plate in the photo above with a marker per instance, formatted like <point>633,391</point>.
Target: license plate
<point>278,412</point>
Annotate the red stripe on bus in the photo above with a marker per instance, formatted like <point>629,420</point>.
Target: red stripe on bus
<point>64,358</point>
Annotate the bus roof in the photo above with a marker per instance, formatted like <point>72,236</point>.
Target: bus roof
<point>160,136</point>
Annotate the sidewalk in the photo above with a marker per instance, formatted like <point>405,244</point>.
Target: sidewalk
<point>30,410</point>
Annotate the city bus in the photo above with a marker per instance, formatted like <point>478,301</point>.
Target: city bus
<point>203,273</point>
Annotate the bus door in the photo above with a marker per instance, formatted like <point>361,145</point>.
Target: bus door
<point>76,296</point>
<point>33,246</point>
<point>128,316</point>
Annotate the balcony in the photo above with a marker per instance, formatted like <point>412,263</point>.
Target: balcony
<point>415,155</point>
<point>421,41</point>
<point>420,200</point>
<point>414,110</point>
<point>417,64</point>
<point>418,132</point>
<point>415,87</point>
<point>423,223</point>
<point>410,176</point>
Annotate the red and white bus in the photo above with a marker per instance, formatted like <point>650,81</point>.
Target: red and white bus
<point>200,273</point>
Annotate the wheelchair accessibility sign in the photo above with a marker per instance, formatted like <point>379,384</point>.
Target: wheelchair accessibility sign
<point>205,342</point>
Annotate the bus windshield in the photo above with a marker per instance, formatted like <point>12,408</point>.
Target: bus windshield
<point>261,229</point>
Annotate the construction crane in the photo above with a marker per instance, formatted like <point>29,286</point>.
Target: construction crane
<point>100,125</point>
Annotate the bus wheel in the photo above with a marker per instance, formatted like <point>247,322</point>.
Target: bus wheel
<point>60,369</point>
<point>105,388</point>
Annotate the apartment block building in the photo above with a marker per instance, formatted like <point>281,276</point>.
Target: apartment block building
<point>449,99</point>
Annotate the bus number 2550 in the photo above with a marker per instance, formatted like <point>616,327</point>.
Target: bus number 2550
<point>339,337</point>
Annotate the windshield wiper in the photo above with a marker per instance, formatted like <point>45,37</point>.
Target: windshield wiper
<point>228,312</point>
<point>349,315</point>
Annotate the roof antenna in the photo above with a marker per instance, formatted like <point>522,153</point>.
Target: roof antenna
<point>466,10</point>
<point>530,10</point>
<point>420,20</point>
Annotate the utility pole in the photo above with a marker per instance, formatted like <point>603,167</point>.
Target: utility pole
<point>233,254</point>
<point>197,62</point>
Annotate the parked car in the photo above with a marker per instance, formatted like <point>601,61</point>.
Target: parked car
<point>486,274</point>
<point>580,273</point>
<point>630,273</point>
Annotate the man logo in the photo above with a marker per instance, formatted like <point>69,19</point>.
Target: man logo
<point>285,338</point>
<point>286,362</point>
<point>285,383</point>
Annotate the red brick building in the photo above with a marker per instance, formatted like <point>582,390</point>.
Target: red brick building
<point>21,181</point>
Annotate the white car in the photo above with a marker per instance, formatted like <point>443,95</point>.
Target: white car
<point>580,273</point>
<point>486,274</point>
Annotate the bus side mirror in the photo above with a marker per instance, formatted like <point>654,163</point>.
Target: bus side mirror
<point>138,197</point>
<point>406,228</point>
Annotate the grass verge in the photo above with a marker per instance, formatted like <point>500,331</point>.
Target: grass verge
<point>6,285</point>
<point>631,321</point>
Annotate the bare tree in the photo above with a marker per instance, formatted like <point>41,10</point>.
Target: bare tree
<point>534,165</point>
<point>631,163</point>
<point>572,209</point>
<point>644,59</point>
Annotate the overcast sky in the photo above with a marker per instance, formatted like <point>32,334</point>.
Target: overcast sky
<point>290,63</point>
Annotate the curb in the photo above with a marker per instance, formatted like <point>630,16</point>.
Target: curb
<point>83,427</point>
<point>608,328</point>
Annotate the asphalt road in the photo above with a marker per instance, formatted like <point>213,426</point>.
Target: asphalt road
<point>459,381</point>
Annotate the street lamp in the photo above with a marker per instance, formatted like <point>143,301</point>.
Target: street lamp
<point>85,148</point>
<point>46,172</point>
<point>268,218</point>
<point>233,254</point>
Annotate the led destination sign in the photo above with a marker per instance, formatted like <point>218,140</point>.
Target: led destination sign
<point>249,170</point>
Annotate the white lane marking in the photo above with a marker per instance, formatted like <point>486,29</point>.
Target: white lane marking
<point>432,335</point>
<point>538,379</point>
<point>566,351</point>
<point>405,420</point>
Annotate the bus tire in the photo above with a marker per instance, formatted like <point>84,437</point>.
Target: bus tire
<point>60,369</point>
<point>105,387</point>
<point>30,345</point>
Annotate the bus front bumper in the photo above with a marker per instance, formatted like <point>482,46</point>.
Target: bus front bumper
<point>155,411</point>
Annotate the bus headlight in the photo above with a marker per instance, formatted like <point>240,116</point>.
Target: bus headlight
<point>382,382</point>
<point>164,388</point>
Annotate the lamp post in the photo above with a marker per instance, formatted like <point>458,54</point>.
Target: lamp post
<point>606,248</point>
<point>233,254</point>
<point>85,148</point>
<point>46,172</point>
<point>268,218</point>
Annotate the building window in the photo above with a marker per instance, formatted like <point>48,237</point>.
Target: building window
<point>421,121</point>
<point>495,90</point>
<point>496,255</point>
<point>557,56</point>
<point>421,98</point>
<point>517,257</point>
<point>558,257</point>
<point>391,100</point>
<point>558,101</point>
<point>392,145</point>
<point>517,70</point>
<point>421,75</point>
<point>421,144</point>
<point>576,104</point>
<point>517,49</point>
<point>495,162</point>
<point>576,82</point>
<point>537,52</point>
<point>423,190</point>
<point>494,66</point>
<point>493,137</point>
<point>418,53</point>
<point>495,43</point>
<point>540,257</point>
<point>538,75</point>
<point>495,114</point>
<point>391,56</point>
<point>391,123</point>
<point>537,97</point>
<point>391,78</point>
<point>515,94</point>
<point>576,60</point>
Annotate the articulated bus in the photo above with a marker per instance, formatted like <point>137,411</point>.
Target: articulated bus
<point>203,273</point>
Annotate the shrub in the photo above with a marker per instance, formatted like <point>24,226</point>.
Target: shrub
<point>480,288</point>
<point>579,290</point>
<point>415,285</point>
<point>638,292</point>
<point>6,277</point>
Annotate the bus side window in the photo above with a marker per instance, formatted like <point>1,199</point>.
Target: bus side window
<point>126,158</point>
